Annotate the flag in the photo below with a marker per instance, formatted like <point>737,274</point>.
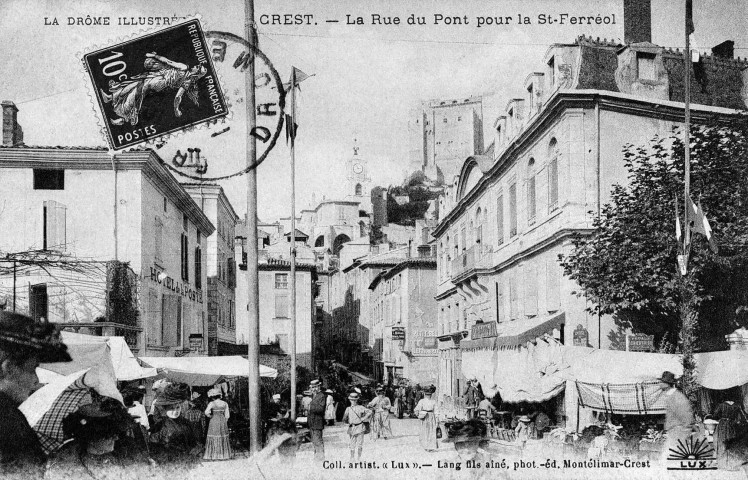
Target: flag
<point>297,76</point>
<point>689,17</point>
<point>700,224</point>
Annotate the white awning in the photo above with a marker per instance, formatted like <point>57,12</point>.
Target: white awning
<point>126,366</point>
<point>204,370</point>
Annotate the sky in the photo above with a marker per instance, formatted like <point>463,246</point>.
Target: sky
<point>366,78</point>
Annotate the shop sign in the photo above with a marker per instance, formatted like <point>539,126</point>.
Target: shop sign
<point>177,287</point>
<point>398,333</point>
<point>196,341</point>
<point>483,330</point>
<point>639,342</point>
<point>581,336</point>
<point>425,343</point>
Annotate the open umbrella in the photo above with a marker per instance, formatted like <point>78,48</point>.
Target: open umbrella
<point>46,408</point>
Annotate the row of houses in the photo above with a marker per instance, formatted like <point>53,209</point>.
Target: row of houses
<point>555,154</point>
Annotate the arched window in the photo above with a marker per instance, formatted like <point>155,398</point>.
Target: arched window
<point>359,190</point>
<point>338,243</point>
<point>479,227</point>
<point>320,242</point>
<point>553,175</point>
<point>531,192</point>
<point>362,229</point>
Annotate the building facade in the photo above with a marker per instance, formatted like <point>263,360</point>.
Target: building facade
<point>556,153</point>
<point>221,265</point>
<point>71,210</point>
<point>404,321</point>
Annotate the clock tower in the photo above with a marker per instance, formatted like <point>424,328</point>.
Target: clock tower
<point>358,182</point>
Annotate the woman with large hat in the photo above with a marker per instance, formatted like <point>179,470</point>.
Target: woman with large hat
<point>425,410</point>
<point>24,343</point>
<point>355,416</point>
<point>217,444</point>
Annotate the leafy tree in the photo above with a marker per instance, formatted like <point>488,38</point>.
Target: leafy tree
<point>627,265</point>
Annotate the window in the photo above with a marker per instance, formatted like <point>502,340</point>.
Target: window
<point>171,320</point>
<point>531,192</point>
<point>479,226</point>
<point>341,214</point>
<point>530,281</point>
<point>185,223</point>
<point>553,185</point>
<point>500,310</point>
<point>552,71</point>
<point>359,190</point>
<point>154,319</point>
<point>54,223</point>
<point>185,257</point>
<point>231,272</point>
<point>500,219</point>
<point>553,286</point>
<point>512,210</point>
<point>281,306</point>
<point>38,302</point>
<point>463,238</point>
<point>645,64</point>
<point>513,297</point>
<point>47,179</point>
<point>198,267</point>
<point>445,119</point>
<point>281,280</point>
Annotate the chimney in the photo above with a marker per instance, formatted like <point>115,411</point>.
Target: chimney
<point>725,49</point>
<point>12,131</point>
<point>637,21</point>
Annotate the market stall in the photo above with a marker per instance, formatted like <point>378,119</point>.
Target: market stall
<point>204,371</point>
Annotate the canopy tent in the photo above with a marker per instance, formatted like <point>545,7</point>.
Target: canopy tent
<point>203,371</point>
<point>722,370</point>
<point>526,374</point>
<point>126,366</point>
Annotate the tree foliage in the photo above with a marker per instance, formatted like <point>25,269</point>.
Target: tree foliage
<point>627,266</point>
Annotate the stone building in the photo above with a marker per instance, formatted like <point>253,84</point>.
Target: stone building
<point>221,265</point>
<point>88,217</point>
<point>556,152</point>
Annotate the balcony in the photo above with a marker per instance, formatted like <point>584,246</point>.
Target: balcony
<point>470,260</point>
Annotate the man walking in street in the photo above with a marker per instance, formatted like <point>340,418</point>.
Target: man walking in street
<point>316,418</point>
<point>678,414</point>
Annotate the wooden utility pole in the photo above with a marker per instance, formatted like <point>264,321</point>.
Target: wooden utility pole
<point>253,340</point>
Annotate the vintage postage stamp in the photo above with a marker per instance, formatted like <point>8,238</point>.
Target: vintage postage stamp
<point>155,85</point>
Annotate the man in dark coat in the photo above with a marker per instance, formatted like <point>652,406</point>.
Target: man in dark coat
<point>24,343</point>
<point>316,418</point>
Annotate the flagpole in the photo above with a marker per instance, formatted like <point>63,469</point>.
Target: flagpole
<point>687,130</point>
<point>253,306</point>
<point>293,243</point>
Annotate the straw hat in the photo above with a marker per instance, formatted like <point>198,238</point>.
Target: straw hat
<point>214,392</point>
<point>524,418</point>
<point>353,396</point>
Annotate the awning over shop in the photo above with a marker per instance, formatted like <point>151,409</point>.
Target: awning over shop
<point>204,370</point>
<point>515,333</point>
<point>722,370</point>
<point>126,366</point>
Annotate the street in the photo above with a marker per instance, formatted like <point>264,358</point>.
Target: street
<point>402,457</point>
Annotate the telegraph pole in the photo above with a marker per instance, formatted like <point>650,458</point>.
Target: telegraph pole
<point>253,341</point>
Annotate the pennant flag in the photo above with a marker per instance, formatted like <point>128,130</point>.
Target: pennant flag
<point>700,224</point>
<point>297,76</point>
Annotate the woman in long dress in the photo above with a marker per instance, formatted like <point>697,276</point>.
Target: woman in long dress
<point>425,411</point>
<point>381,406</point>
<point>731,419</point>
<point>329,408</point>
<point>160,74</point>
<point>217,444</point>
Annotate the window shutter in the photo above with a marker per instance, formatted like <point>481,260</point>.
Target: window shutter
<point>531,286</point>
<point>154,319</point>
<point>169,320</point>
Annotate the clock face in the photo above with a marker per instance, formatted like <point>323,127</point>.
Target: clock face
<point>357,168</point>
